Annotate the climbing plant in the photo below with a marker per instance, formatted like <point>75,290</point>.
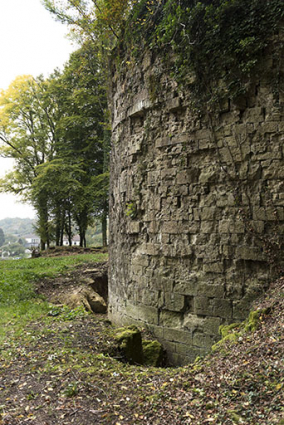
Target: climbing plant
<point>212,40</point>
<point>216,44</point>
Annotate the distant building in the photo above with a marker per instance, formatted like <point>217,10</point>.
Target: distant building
<point>32,241</point>
<point>75,241</point>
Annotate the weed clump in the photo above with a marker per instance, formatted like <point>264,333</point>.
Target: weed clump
<point>235,331</point>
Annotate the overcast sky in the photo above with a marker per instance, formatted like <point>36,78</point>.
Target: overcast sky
<point>31,43</point>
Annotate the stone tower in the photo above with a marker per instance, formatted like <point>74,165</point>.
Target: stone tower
<point>196,206</point>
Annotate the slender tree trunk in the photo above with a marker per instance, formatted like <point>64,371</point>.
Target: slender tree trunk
<point>57,235</point>
<point>69,228</point>
<point>62,228</point>
<point>104,229</point>
<point>61,238</point>
<point>82,236</point>
<point>43,228</point>
<point>47,233</point>
<point>82,222</point>
<point>57,225</point>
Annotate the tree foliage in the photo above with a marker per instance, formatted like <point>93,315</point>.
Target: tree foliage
<point>13,249</point>
<point>55,130</point>
<point>83,134</point>
<point>92,19</point>
<point>28,117</point>
<point>27,120</point>
<point>17,226</point>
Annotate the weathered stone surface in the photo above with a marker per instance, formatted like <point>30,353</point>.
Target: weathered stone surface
<point>99,280</point>
<point>130,344</point>
<point>210,207</point>
<point>96,302</point>
<point>170,319</point>
<point>174,302</point>
<point>152,353</point>
<point>174,335</point>
<point>92,301</point>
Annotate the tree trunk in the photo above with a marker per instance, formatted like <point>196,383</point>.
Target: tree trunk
<point>82,234</point>
<point>70,229</point>
<point>82,223</point>
<point>43,228</point>
<point>58,221</point>
<point>57,236</point>
<point>104,229</point>
<point>47,233</point>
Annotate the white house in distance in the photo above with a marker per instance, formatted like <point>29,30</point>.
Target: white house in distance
<point>75,241</point>
<point>33,241</point>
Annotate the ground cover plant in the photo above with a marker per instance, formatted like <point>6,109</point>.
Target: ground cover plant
<point>56,365</point>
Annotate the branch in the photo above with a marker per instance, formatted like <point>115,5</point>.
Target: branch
<point>22,156</point>
<point>110,27</point>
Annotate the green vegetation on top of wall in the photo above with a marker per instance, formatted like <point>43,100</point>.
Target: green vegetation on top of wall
<point>212,45</point>
<point>217,44</point>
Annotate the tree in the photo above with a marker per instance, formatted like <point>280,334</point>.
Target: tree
<point>14,249</point>
<point>55,130</point>
<point>99,24</point>
<point>28,117</point>
<point>2,237</point>
<point>83,134</point>
<point>60,182</point>
<point>91,19</point>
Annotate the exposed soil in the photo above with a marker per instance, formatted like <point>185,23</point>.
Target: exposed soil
<point>57,290</point>
<point>59,372</point>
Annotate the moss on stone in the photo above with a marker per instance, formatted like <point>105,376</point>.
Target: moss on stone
<point>252,323</point>
<point>231,337</point>
<point>224,330</point>
<point>130,344</point>
<point>234,331</point>
<point>121,333</point>
<point>153,353</point>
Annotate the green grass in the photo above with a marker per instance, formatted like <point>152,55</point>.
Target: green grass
<point>19,303</point>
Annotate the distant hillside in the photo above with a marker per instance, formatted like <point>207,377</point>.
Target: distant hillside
<point>17,226</point>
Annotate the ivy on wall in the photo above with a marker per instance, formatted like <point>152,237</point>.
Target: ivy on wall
<point>217,44</point>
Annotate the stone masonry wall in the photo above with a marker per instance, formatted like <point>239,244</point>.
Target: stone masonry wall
<point>196,206</point>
